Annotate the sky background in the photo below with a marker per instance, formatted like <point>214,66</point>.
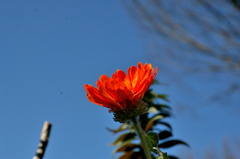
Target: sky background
<point>50,49</point>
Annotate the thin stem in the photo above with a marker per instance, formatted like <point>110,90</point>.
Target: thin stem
<point>143,138</point>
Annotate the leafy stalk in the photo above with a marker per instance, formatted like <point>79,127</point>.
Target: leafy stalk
<point>142,137</point>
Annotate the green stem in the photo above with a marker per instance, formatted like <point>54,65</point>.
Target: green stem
<point>143,138</point>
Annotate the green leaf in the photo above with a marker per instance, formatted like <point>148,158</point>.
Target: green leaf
<point>171,143</point>
<point>163,97</point>
<point>173,157</point>
<point>127,155</point>
<point>160,107</point>
<point>122,127</point>
<point>124,137</point>
<point>164,114</point>
<point>132,155</point>
<point>165,124</point>
<point>156,82</point>
<point>152,139</point>
<point>161,154</point>
<point>164,134</point>
<point>164,156</point>
<point>151,122</point>
<point>126,147</point>
<point>152,110</point>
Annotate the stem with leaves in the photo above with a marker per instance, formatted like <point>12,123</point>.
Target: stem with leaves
<point>142,136</point>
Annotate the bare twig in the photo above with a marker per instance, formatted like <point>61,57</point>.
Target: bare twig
<point>43,140</point>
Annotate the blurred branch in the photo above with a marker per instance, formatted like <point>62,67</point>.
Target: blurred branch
<point>43,140</point>
<point>190,37</point>
<point>236,3</point>
<point>187,23</point>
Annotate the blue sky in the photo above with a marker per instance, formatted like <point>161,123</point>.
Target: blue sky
<point>48,51</point>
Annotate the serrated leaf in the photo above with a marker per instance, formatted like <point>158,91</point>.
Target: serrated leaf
<point>171,143</point>
<point>164,134</point>
<point>152,139</point>
<point>124,137</point>
<point>151,123</point>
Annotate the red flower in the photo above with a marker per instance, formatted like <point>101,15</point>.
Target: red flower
<point>122,92</point>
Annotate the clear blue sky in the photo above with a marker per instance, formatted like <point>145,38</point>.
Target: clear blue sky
<point>48,51</point>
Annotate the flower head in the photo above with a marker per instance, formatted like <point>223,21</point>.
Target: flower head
<point>123,93</point>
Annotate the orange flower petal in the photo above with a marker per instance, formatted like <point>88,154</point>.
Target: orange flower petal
<point>122,91</point>
<point>95,97</point>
